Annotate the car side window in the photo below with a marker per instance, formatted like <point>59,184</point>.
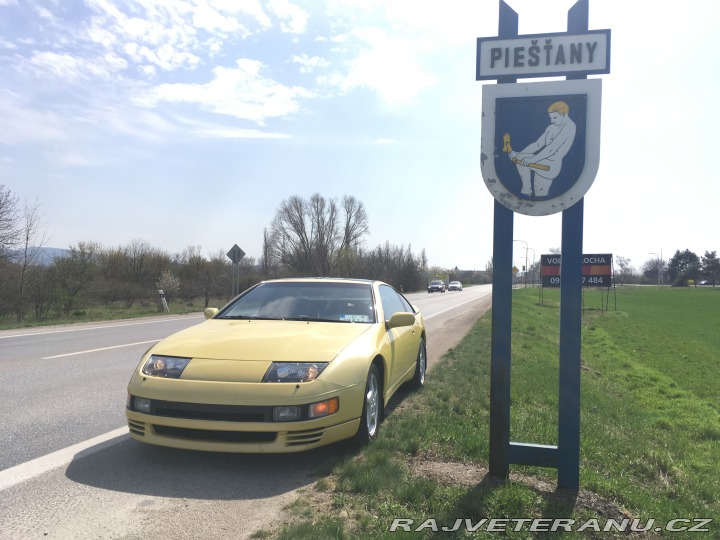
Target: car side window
<point>392,302</point>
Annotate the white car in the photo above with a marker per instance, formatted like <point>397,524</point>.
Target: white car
<point>455,286</point>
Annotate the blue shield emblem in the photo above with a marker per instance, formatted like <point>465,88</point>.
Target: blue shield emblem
<point>540,143</point>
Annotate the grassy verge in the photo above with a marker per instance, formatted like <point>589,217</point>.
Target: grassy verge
<point>650,439</point>
<point>109,313</point>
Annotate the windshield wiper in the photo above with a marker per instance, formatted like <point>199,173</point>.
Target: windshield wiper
<point>309,318</point>
<point>241,317</point>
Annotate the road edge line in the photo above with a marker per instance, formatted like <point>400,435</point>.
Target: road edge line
<point>33,468</point>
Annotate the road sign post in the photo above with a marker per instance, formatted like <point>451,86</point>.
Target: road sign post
<point>539,156</point>
<point>235,255</point>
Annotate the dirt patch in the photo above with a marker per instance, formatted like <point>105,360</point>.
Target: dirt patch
<point>471,475</point>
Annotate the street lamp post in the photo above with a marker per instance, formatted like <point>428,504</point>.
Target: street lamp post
<point>526,250</point>
<point>533,266</point>
<point>660,267</point>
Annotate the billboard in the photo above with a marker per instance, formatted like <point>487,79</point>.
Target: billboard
<point>596,270</point>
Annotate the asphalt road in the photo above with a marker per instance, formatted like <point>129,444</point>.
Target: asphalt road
<point>68,469</point>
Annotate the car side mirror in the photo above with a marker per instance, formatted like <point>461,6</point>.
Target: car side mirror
<point>400,319</point>
<point>210,312</point>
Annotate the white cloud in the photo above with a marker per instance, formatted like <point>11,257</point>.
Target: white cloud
<point>168,35</point>
<point>388,65</point>
<point>309,64</point>
<point>241,92</point>
<point>209,19</point>
<point>22,124</point>
<point>239,133</point>
<point>292,18</point>
<point>44,13</point>
<point>70,68</point>
<point>218,131</point>
<point>5,44</point>
<point>75,159</point>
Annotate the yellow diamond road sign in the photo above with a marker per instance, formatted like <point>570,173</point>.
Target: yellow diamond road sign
<point>515,270</point>
<point>235,254</point>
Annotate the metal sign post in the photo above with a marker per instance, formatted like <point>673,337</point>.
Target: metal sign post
<point>235,254</point>
<point>540,152</point>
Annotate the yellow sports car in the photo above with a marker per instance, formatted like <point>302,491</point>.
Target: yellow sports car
<point>288,365</point>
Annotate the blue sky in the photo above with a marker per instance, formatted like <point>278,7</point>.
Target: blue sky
<point>187,122</point>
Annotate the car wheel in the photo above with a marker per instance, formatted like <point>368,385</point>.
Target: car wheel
<point>421,366</point>
<point>372,408</point>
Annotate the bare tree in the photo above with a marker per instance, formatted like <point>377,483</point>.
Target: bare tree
<point>9,217</point>
<point>268,260</point>
<point>204,277</point>
<point>307,236</point>
<point>32,240</point>
<point>627,272</point>
<point>356,222</point>
<point>292,239</point>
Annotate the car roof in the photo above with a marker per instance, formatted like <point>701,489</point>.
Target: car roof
<point>322,280</point>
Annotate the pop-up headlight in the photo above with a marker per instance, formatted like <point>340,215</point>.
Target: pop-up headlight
<point>294,372</point>
<point>170,367</point>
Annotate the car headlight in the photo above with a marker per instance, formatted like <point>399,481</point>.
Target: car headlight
<point>294,371</point>
<point>164,366</point>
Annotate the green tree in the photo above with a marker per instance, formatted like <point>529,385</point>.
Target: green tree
<point>711,265</point>
<point>652,270</point>
<point>74,276</point>
<point>682,266</point>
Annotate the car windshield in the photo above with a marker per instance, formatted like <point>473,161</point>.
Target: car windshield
<point>305,301</point>
<point>436,283</point>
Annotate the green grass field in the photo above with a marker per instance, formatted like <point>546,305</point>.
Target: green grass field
<point>650,430</point>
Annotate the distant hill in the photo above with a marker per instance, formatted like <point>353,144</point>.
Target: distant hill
<point>46,256</point>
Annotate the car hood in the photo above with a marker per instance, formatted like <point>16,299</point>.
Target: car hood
<point>264,341</point>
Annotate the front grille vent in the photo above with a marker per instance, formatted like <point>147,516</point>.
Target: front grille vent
<point>202,411</point>
<point>309,436</point>
<point>138,428</point>
<point>216,435</point>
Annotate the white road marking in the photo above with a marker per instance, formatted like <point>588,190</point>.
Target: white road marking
<point>96,327</point>
<point>26,471</point>
<point>102,349</point>
<point>456,306</point>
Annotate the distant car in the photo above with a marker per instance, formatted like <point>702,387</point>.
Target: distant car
<point>436,285</point>
<point>705,282</point>
<point>455,286</point>
<point>288,365</point>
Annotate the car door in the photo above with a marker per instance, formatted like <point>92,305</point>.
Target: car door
<point>404,341</point>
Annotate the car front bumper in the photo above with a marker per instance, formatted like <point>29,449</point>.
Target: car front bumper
<point>237,417</point>
<point>236,437</point>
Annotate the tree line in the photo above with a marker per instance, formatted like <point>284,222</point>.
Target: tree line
<point>317,236</point>
<point>684,268</point>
